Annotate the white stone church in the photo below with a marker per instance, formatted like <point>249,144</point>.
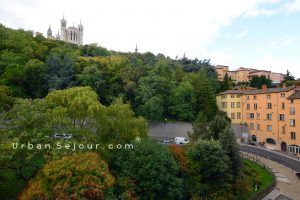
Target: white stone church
<point>71,34</point>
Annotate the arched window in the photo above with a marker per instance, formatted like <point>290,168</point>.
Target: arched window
<point>270,141</point>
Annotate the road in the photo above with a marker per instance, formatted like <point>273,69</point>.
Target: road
<point>276,157</point>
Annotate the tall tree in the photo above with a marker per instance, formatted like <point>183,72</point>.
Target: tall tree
<point>200,128</point>
<point>288,76</point>
<point>226,83</point>
<point>229,144</point>
<point>205,95</point>
<point>182,101</point>
<point>217,126</point>
<point>209,161</point>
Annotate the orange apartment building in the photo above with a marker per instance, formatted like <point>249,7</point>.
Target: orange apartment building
<point>273,117</point>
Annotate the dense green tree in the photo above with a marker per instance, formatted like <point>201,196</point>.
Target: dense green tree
<point>217,126</point>
<point>146,172</point>
<point>118,123</point>
<point>209,168</point>
<point>288,76</point>
<point>34,78</point>
<point>183,101</point>
<point>60,72</point>
<point>6,100</point>
<point>229,144</point>
<point>226,84</point>
<point>258,81</point>
<point>152,109</point>
<point>94,50</point>
<point>204,94</point>
<point>200,128</point>
<point>81,104</point>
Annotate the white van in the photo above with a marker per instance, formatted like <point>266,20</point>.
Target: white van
<point>180,140</point>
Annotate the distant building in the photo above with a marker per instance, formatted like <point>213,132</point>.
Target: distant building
<point>245,74</point>
<point>221,71</point>
<point>70,34</point>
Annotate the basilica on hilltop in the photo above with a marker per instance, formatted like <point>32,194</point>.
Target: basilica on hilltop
<point>71,34</point>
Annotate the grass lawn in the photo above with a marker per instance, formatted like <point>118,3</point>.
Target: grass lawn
<point>253,174</point>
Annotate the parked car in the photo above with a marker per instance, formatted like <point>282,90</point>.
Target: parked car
<point>166,142</point>
<point>66,136</point>
<point>56,135</point>
<point>181,140</point>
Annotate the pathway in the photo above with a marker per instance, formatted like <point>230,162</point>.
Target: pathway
<point>287,183</point>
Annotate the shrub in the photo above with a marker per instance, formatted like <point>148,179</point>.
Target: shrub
<point>78,176</point>
<point>149,171</point>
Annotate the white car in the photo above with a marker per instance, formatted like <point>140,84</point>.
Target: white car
<point>181,140</point>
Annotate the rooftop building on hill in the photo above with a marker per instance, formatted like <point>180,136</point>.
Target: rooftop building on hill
<point>70,34</point>
<point>245,74</point>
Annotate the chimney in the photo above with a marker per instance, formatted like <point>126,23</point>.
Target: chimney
<point>283,85</point>
<point>264,88</point>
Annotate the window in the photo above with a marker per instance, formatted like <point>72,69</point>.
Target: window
<point>248,106</point>
<point>238,104</point>
<point>238,115</point>
<point>255,106</point>
<point>257,116</point>
<point>293,135</point>
<point>269,105</point>
<point>292,111</point>
<point>282,106</point>
<point>232,115</point>
<point>269,127</point>
<point>232,104</point>
<point>258,127</point>
<point>251,115</point>
<point>283,129</point>
<point>223,96</point>
<point>254,97</point>
<point>281,117</point>
<point>232,96</point>
<point>247,97</point>
<point>292,122</point>
<point>238,95</point>
<point>282,95</point>
<point>292,101</point>
<point>268,96</point>
<point>251,126</point>
<point>269,116</point>
<point>224,104</point>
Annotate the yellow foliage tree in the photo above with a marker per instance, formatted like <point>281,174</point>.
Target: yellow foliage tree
<point>78,176</point>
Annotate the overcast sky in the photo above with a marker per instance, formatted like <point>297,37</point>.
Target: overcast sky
<point>260,34</point>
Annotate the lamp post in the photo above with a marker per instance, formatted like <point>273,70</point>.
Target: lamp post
<point>166,121</point>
